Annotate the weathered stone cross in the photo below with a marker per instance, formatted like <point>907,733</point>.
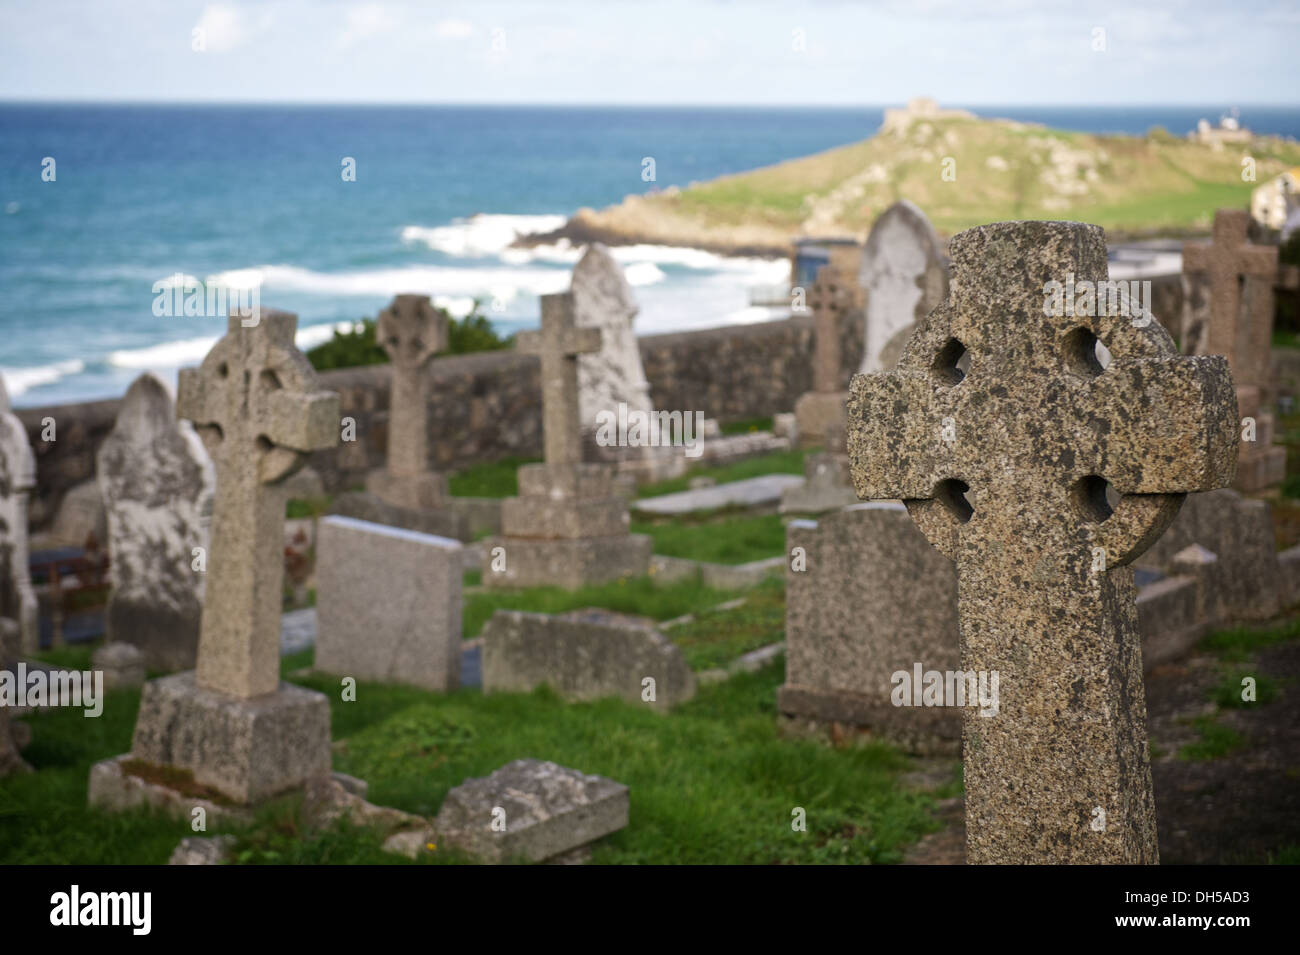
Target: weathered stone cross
<point>255,404</point>
<point>411,331</point>
<point>1035,431</point>
<point>1229,260</point>
<point>829,297</point>
<point>558,344</point>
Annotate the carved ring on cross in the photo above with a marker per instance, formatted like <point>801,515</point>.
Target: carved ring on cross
<point>411,330</point>
<point>1041,439</point>
<point>245,392</point>
<point>829,290</point>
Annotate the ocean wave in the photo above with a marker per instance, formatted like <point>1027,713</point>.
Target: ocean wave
<point>480,235</point>
<point>440,282</point>
<point>191,351</point>
<point>19,380</point>
<point>484,236</point>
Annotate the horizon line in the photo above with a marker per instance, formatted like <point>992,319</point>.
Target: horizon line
<point>78,101</point>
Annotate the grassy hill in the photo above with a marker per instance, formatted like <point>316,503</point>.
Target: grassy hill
<point>1000,170</point>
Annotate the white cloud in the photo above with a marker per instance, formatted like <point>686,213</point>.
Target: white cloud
<point>364,21</point>
<point>454,29</point>
<point>222,27</point>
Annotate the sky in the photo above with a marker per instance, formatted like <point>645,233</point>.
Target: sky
<point>681,52</point>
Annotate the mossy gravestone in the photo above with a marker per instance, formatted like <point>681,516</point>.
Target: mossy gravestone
<point>232,723</point>
<point>1005,468</point>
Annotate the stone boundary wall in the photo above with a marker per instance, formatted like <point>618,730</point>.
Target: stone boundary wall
<point>486,406</point>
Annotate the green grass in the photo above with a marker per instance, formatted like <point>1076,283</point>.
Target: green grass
<point>72,657</point>
<point>733,540</point>
<point>1236,645</point>
<point>1216,740</point>
<point>642,596</point>
<point>299,508</point>
<point>1285,855</point>
<point>1227,692</point>
<point>43,815</point>
<point>711,782</point>
<point>778,462</point>
<point>747,426</point>
<point>717,637</point>
<point>493,479</point>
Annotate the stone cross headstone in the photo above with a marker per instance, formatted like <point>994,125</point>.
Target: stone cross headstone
<point>157,483</point>
<point>829,298</point>
<point>904,276</point>
<point>1239,326</point>
<point>411,331</point>
<point>614,374</point>
<point>1229,261</point>
<point>255,404</point>
<point>820,412</point>
<point>569,524</point>
<point>1009,471</point>
<point>558,344</point>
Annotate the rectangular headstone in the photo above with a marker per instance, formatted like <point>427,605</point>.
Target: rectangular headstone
<point>584,655</point>
<point>388,604</point>
<point>869,598</point>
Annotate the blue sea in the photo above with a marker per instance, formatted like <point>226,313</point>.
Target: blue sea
<point>243,196</point>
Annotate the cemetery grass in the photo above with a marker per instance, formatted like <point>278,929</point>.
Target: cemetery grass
<point>1226,769</point>
<point>718,537</point>
<point>717,637</point>
<point>44,818</point>
<point>777,462</point>
<point>711,782</point>
<point>640,596</point>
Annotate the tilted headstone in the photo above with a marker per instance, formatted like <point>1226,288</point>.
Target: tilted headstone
<point>388,604</point>
<point>584,655</point>
<point>157,484</point>
<point>1006,470</point>
<point>17,480</point>
<point>904,276</point>
<point>1239,326</point>
<point>569,524</point>
<point>530,811</point>
<point>869,598</point>
<point>613,374</point>
<point>411,331</point>
<point>17,600</point>
<point>232,723</point>
<point>820,412</point>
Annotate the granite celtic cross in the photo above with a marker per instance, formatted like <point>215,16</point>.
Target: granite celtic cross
<point>829,297</point>
<point>559,343</point>
<point>254,402</point>
<point>411,331</point>
<point>1042,471</point>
